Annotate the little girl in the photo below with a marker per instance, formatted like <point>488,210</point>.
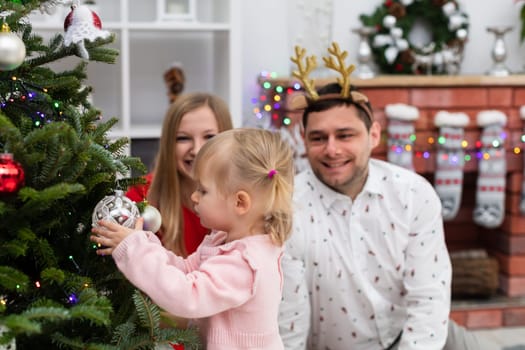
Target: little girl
<point>232,284</point>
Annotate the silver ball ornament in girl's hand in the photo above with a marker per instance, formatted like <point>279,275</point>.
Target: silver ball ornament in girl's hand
<point>152,218</point>
<point>118,209</point>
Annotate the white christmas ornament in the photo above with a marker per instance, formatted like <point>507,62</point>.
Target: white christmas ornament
<point>152,218</point>
<point>461,34</point>
<point>12,49</point>
<point>455,21</point>
<point>402,44</point>
<point>389,21</point>
<point>118,209</point>
<point>83,24</point>
<point>381,40</point>
<point>391,54</point>
<point>449,8</point>
<point>396,32</point>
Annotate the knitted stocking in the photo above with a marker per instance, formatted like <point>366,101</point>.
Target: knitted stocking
<point>450,161</point>
<point>522,204</point>
<point>490,195</point>
<point>401,133</point>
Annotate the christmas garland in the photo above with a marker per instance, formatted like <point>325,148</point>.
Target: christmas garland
<point>393,21</point>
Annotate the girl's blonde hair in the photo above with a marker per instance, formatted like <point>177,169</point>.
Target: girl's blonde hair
<point>256,161</point>
<point>165,191</point>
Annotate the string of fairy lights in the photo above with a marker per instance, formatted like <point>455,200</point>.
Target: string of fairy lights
<point>29,98</point>
<point>271,104</point>
<point>69,297</point>
<point>37,104</point>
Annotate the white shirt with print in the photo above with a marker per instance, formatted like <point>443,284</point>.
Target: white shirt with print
<point>358,273</point>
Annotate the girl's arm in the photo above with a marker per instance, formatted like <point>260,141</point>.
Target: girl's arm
<point>219,283</point>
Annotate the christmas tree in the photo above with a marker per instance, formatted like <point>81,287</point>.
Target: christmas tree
<point>57,163</point>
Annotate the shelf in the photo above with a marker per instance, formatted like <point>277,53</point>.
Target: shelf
<point>133,89</point>
<point>138,132</point>
<point>179,26</point>
<point>145,26</point>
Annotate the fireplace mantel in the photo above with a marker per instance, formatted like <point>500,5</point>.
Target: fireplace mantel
<point>419,81</point>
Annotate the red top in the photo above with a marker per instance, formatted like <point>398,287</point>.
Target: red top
<point>194,232</point>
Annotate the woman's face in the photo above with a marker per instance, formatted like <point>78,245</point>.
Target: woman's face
<point>196,127</point>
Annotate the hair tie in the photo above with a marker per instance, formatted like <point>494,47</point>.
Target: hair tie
<point>271,173</point>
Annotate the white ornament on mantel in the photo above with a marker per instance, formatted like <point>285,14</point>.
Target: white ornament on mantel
<point>311,29</point>
<point>176,10</point>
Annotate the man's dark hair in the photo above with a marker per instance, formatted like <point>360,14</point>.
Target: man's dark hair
<point>324,104</point>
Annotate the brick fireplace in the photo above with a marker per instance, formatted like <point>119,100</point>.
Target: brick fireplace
<point>468,94</point>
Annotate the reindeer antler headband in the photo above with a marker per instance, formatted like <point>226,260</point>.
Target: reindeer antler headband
<point>335,61</point>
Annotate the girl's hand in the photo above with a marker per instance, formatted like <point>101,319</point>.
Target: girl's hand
<point>108,235</point>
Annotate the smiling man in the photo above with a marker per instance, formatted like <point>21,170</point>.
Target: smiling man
<point>367,266</point>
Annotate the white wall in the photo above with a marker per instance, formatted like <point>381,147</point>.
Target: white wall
<point>266,46</point>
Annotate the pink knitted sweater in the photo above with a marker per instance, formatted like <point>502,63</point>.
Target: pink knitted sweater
<point>233,290</point>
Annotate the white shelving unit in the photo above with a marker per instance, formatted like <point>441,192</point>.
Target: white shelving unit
<point>133,89</point>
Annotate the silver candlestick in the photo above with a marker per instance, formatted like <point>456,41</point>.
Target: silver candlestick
<point>499,51</point>
<point>364,53</point>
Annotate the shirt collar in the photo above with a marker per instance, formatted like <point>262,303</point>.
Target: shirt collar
<point>374,185</point>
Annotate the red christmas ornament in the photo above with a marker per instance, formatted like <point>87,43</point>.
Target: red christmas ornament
<point>11,174</point>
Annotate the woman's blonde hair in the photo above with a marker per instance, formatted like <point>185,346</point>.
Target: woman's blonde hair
<point>165,191</point>
<point>257,161</point>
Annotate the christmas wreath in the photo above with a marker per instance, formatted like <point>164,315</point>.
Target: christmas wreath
<point>393,21</point>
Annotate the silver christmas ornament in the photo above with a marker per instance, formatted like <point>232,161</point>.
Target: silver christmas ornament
<point>152,218</point>
<point>12,49</point>
<point>118,209</point>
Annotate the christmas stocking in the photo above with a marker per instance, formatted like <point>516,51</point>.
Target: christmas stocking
<point>450,161</point>
<point>490,195</point>
<point>401,133</point>
<point>522,204</point>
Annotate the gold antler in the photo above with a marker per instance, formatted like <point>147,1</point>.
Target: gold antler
<point>344,80</point>
<point>303,72</point>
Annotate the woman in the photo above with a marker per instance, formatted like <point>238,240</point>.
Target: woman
<point>190,121</point>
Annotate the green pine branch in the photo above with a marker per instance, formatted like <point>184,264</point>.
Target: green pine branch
<point>58,293</point>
